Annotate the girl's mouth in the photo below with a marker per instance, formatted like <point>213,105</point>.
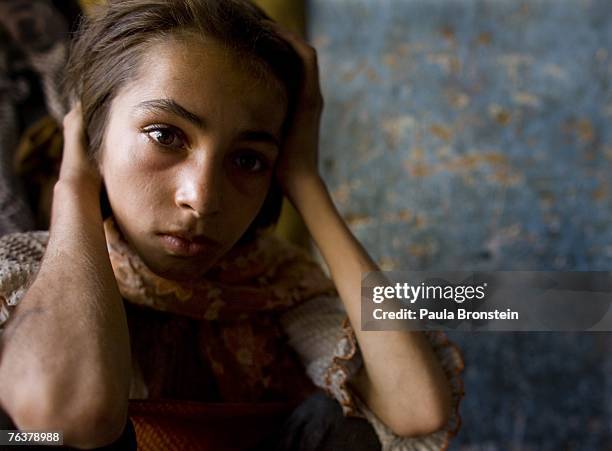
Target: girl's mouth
<point>183,247</point>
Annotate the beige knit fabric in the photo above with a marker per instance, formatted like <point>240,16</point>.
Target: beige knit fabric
<point>317,330</point>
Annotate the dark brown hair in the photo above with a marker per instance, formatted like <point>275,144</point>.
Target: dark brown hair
<point>108,47</point>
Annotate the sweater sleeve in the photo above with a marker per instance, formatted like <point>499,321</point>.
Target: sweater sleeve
<point>20,257</point>
<point>320,332</point>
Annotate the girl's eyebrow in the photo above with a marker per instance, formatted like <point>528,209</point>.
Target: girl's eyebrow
<point>173,107</point>
<point>260,136</point>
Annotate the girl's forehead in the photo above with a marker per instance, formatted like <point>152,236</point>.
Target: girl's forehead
<point>197,66</point>
<point>185,58</point>
<point>206,79</point>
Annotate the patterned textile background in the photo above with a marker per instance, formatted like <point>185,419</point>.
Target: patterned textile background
<point>475,134</point>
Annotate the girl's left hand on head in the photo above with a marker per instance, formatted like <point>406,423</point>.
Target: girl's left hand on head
<point>298,159</point>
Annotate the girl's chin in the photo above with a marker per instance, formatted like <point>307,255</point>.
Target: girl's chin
<point>181,271</point>
<point>176,267</point>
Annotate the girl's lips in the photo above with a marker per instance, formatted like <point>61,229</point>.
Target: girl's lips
<point>183,247</point>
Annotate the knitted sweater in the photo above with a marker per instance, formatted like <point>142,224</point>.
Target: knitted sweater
<point>317,330</point>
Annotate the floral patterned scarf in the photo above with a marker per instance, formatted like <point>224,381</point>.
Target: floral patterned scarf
<point>237,304</point>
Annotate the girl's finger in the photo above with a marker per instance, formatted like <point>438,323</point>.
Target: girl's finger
<point>73,132</point>
<point>311,88</point>
<point>75,160</point>
<point>307,52</point>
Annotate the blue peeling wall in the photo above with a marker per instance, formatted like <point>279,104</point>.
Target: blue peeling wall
<point>476,134</point>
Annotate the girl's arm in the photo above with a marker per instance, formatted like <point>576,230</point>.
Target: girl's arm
<point>402,380</point>
<point>65,361</point>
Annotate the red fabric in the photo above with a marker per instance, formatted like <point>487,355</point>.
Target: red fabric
<point>168,425</point>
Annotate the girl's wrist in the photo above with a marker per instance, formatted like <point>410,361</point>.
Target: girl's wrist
<point>75,199</point>
<point>298,185</point>
<point>306,192</point>
<point>77,186</point>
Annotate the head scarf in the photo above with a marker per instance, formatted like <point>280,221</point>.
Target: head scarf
<point>237,304</point>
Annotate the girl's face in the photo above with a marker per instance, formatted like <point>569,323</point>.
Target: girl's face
<point>188,154</point>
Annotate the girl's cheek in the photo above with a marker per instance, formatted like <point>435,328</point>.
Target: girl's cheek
<point>144,155</point>
<point>252,185</point>
<point>252,190</point>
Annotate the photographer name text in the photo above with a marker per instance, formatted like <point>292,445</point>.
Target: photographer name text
<point>406,293</point>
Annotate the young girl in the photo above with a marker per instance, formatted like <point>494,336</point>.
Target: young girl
<point>194,117</point>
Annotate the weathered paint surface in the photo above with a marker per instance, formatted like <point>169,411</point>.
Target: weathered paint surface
<point>476,134</point>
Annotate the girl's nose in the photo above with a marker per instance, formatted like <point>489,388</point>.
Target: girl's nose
<point>200,188</point>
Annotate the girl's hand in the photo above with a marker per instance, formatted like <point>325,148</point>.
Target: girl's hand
<point>298,159</point>
<point>77,167</point>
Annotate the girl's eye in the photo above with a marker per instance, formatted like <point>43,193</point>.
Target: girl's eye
<point>250,162</point>
<point>165,136</point>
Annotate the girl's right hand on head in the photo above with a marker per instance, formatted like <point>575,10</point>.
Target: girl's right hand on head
<point>77,167</point>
